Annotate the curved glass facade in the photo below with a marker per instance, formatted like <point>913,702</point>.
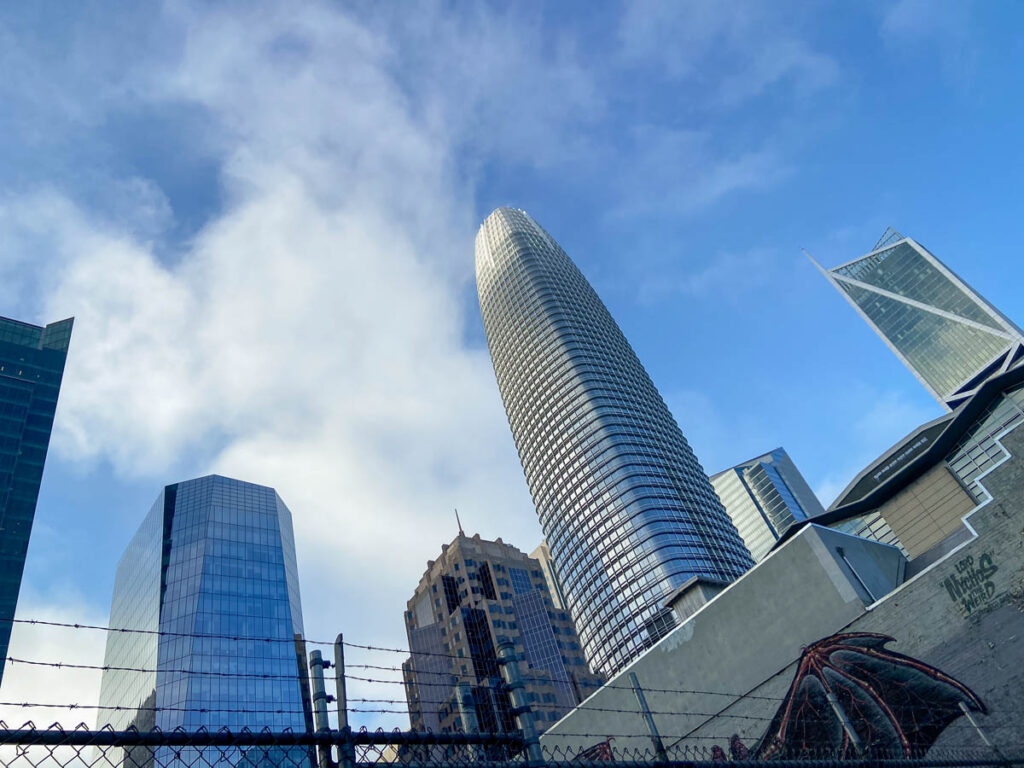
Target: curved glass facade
<point>213,567</point>
<point>626,508</point>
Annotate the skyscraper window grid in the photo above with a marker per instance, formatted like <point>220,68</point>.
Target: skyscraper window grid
<point>626,509</point>
<point>208,568</point>
<point>32,362</point>
<point>764,496</point>
<point>949,336</point>
<point>456,640</point>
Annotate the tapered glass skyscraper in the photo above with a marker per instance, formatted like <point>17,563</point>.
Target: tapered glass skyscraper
<point>626,508</point>
<point>947,334</point>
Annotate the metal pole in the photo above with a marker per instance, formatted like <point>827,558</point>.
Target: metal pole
<point>467,711</point>
<point>316,668</point>
<point>847,725</point>
<point>524,715</point>
<point>659,747</point>
<point>981,733</point>
<point>346,751</point>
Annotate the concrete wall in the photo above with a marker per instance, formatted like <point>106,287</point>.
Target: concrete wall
<point>752,630</point>
<point>737,656</point>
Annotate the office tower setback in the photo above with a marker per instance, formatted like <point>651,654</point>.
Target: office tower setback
<point>213,566</point>
<point>542,554</point>
<point>942,330</point>
<point>31,367</point>
<point>764,496</point>
<point>625,507</point>
<point>475,596</point>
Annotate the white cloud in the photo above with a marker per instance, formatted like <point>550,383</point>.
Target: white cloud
<point>24,683</point>
<point>311,335</point>
<point>727,276</point>
<point>736,51</point>
<point>940,29</point>
<point>680,171</point>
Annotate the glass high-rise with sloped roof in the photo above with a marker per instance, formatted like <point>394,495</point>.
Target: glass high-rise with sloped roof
<point>627,510</point>
<point>764,496</point>
<point>948,335</point>
<point>32,361</point>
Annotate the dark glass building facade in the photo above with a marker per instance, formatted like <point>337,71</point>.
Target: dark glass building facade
<point>213,567</point>
<point>627,510</point>
<point>944,331</point>
<point>31,368</point>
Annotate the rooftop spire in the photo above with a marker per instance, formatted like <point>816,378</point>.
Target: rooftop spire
<point>461,532</point>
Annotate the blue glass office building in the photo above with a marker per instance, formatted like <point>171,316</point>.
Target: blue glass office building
<point>31,368</point>
<point>944,331</point>
<point>626,508</point>
<point>213,567</point>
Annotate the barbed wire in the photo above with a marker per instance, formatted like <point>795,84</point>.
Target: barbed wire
<point>548,679</point>
<point>446,684</point>
<point>165,633</point>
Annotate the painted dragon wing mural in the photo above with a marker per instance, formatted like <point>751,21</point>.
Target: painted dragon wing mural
<point>896,705</point>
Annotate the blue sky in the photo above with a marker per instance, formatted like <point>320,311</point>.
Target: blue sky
<point>263,217</point>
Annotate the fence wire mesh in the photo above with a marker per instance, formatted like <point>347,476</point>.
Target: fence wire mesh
<point>56,747</point>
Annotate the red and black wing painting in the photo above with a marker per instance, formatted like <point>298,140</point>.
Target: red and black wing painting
<point>895,704</point>
<point>600,753</point>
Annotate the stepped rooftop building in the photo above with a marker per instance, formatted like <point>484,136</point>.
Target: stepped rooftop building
<point>626,509</point>
<point>948,335</point>
<point>475,596</point>
<point>213,567</point>
<point>31,368</point>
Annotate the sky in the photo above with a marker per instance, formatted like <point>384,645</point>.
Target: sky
<point>262,215</point>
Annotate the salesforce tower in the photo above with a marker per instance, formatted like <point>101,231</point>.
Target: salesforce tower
<point>625,506</point>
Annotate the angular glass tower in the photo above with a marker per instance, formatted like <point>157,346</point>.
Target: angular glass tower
<point>31,368</point>
<point>764,496</point>
<point>942,330</point>
<point>213,567</point>
<point>625,507</point>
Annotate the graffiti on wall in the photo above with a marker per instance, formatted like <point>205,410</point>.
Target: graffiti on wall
<point>851,694</point>
<point>970,585</point>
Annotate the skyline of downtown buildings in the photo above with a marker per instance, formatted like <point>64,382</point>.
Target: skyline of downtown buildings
<point>626,509</point>
<point>542,273</point>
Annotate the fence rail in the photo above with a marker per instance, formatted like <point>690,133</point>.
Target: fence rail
<point>56,747</point>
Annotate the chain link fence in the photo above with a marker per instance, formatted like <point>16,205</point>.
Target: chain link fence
<point>55,747</point>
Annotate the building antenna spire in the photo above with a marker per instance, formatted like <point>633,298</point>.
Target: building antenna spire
<point>461,532</point>
<point>808,255</point>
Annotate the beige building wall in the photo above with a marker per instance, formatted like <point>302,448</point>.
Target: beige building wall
<point>542,554</point>
<point>928,510</point>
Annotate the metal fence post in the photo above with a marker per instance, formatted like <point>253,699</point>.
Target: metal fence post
<point>981,733</point>
<point>652,728</point>
<point>346,749</point>
<point>840,714</point>
<point>467,712</point>
<point>316,668</point>
<point>524,715</point>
